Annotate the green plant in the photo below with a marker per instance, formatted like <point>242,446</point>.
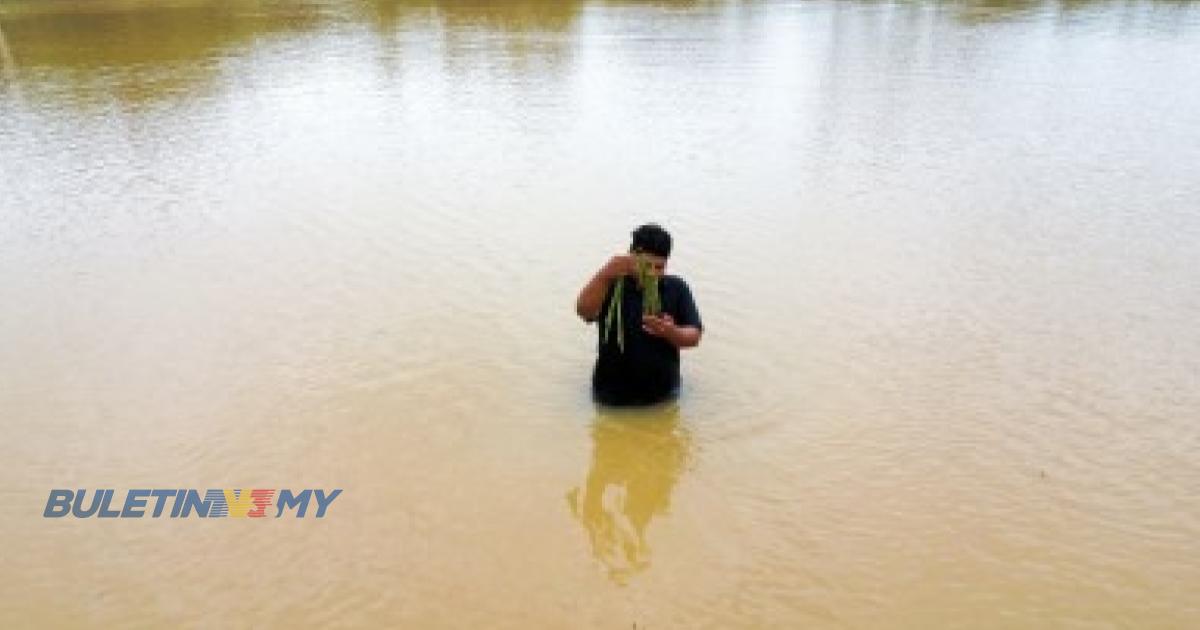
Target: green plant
<point>651,300</point>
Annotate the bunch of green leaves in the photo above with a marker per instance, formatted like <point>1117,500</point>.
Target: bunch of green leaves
<point>651,300</point>
<point>614,313</point>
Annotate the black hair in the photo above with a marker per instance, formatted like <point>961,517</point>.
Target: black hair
<point>651,239</point>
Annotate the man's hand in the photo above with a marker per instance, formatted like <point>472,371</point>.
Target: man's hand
<point>591,297</point>
<point>663,327</point>
<point>659,326</point>
<point>619,265</point>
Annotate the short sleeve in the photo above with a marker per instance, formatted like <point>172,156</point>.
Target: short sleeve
<point>687,314</point>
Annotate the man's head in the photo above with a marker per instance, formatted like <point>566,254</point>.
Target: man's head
<point>655,242</point>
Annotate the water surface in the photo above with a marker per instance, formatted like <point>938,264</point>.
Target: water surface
<point>944,251</point>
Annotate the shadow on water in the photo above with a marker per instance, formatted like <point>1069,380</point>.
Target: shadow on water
<point>7,66</point>
<point>142,50</point>
<point>638,457</point>
<point>981,12</point>
<point>88,35</point>
<point>138,51</point>
<point>518,37</point>
<point>510,15</point>
<point>527,37</point>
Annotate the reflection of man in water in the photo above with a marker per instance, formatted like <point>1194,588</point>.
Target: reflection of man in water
<point>636,461</point>
<point>647,370</point>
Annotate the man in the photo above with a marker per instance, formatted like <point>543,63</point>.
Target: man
<point>647,370</point>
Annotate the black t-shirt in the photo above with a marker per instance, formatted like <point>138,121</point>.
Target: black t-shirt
<point>648,370</point>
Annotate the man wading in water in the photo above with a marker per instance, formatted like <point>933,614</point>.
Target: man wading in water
<point>646,369</point>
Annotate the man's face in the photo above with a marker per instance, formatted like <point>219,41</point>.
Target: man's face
<point>657,263</point>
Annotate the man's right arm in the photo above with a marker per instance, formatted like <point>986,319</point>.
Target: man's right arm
<point>591,297</point>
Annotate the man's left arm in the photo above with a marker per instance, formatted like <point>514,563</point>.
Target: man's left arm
<point>685,330</point>
<point>664,326</point>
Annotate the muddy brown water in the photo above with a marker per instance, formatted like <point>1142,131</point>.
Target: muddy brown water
<point>945,253</point>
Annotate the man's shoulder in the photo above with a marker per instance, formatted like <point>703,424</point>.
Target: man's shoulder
<point>673,282</point>
<point>674,286</point>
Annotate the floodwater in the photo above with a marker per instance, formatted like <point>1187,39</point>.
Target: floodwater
<point>945,253</point>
